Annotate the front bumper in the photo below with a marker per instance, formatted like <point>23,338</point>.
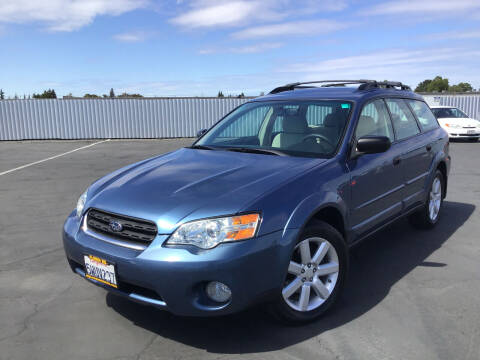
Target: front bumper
<point>461,133</point>
<point>174,278</point>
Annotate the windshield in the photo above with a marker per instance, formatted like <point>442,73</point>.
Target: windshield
<point>295,128</point>
<point>449,113</point>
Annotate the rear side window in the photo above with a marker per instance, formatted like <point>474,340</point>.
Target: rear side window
<point>374,120</point>
<point>424,115</point>
<point>403,120</point>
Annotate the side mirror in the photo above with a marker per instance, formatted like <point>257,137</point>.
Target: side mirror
<point>373,144</point>
<point>201,132</point>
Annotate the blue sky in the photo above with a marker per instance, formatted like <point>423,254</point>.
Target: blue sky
<point>198,47</point>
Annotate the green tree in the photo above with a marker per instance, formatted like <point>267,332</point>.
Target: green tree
<point>241,96</point>
<point>220,94</point>
<point>47,94</point>
<point>126,95</point>
<point>438,84</point>
<point>422,87</point>
<point>91,96</point>
<point>2,95</point>
<point>461,87</point>
<point>112,93</point>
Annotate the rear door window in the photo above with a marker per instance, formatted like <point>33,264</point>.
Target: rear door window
<point>424,115</point>
<point>403,120</point>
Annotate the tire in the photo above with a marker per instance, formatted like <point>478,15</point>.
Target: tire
<point>425,218</point>
<point>324,278</point>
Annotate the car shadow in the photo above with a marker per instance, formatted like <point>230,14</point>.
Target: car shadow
<point>380,262</point>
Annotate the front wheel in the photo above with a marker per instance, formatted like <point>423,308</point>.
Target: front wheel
<point>428,216</point>
<point>315,276</point>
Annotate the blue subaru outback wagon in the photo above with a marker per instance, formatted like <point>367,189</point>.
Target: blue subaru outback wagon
<point>264,206</point>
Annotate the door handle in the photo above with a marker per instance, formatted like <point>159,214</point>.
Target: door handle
<point>397,160</point>
<point>429,147</point>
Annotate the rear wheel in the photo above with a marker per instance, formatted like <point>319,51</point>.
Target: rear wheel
<point>315,276</point>
<point>428,216</point>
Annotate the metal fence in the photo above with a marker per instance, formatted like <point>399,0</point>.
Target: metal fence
<point>140,118</point>
<point>110,118</point>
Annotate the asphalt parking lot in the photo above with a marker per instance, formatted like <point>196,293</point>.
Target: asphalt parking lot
<point>410,294</point>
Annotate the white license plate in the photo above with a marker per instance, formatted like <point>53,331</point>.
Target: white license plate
<point>100,270</point>
<point>471,131</point>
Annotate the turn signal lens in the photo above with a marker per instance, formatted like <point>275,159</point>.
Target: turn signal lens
<point>244,227</point>
<point>455,126</point>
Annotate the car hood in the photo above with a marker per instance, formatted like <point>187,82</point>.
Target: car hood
<point>190,184</point>
<point>459,121</point>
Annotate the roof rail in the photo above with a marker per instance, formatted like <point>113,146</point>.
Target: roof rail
<point>364,84</point>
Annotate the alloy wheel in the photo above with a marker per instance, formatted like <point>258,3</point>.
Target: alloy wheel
<point>435,199</point>
<point>312,274</point>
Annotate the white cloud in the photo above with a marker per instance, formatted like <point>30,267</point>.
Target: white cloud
<point>217,13</point>
<point>381,58</point>
<point>458,35</point>
<point>314,6</point>
<point>134,36</point>
<point>409,66</point>
<point>247,49</point>
<point>231,13</point>
<point>291,28</point>
<point>63,15</point>
<point>422,7</point>
<point>250,49</point>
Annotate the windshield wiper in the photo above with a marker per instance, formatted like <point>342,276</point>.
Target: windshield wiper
<point>202,147</point>
<point>256,151</point>
<point>240,149</point>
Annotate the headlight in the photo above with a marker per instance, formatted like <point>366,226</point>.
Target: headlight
<point>81,203</point>
<point>208,233</point>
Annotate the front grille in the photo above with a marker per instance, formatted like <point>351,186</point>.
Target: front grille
<point>133,229</point>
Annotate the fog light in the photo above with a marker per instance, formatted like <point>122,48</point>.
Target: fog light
<point>218,291</point>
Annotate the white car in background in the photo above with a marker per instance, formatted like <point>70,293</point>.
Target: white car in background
<point>458,124</point>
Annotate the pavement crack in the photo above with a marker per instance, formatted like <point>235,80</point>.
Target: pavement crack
<point>36,309</point>
<point>51,251</point>
<point>24,324</point>
<point>145,348</point>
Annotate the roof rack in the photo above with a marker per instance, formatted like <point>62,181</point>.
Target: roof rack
<point>364,85</point>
